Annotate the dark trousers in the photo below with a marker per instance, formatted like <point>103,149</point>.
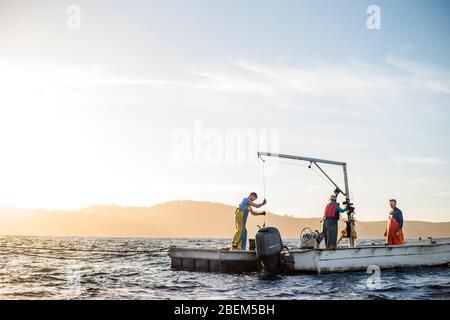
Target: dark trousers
<point>331,232</point>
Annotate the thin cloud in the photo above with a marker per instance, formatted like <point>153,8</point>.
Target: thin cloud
<point>427,76</point>
<point>419,160</point>
<point>442,194</point>
<point>353,79</point>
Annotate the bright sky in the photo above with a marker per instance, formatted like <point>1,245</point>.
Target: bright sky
<point>135,106</point>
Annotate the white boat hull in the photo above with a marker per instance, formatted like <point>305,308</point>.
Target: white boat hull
<point>361,258</point>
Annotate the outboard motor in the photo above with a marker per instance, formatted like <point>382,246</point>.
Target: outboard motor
<point>268,249</point>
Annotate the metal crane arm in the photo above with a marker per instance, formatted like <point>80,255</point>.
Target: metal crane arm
<point>315,161</point>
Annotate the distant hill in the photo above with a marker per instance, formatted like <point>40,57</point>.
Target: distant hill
<point>176,219</point>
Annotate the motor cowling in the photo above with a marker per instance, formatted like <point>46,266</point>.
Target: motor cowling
<point>268,249</point>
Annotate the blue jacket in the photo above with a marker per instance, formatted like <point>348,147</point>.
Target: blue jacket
<point>398,216</point>
<point>338,207</point>
<point>243,206</point>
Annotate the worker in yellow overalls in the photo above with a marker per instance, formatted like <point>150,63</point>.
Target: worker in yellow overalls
<point>240,218</point>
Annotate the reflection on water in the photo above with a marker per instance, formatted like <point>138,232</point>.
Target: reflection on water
<point>133,268</point>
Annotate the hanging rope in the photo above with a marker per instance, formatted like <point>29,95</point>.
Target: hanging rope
<point>264,186</point>
<point>263,161</point>
<point>263,179</point>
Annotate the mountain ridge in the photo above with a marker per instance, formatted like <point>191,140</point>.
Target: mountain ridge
<point>180,218</point>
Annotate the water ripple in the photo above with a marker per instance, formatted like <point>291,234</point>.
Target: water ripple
<point>106,274</point>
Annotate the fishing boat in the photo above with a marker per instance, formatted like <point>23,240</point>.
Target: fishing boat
<point>271,256</point>
<point>413,254</point>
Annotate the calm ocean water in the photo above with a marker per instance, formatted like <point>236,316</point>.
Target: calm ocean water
<point>92,268</point>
